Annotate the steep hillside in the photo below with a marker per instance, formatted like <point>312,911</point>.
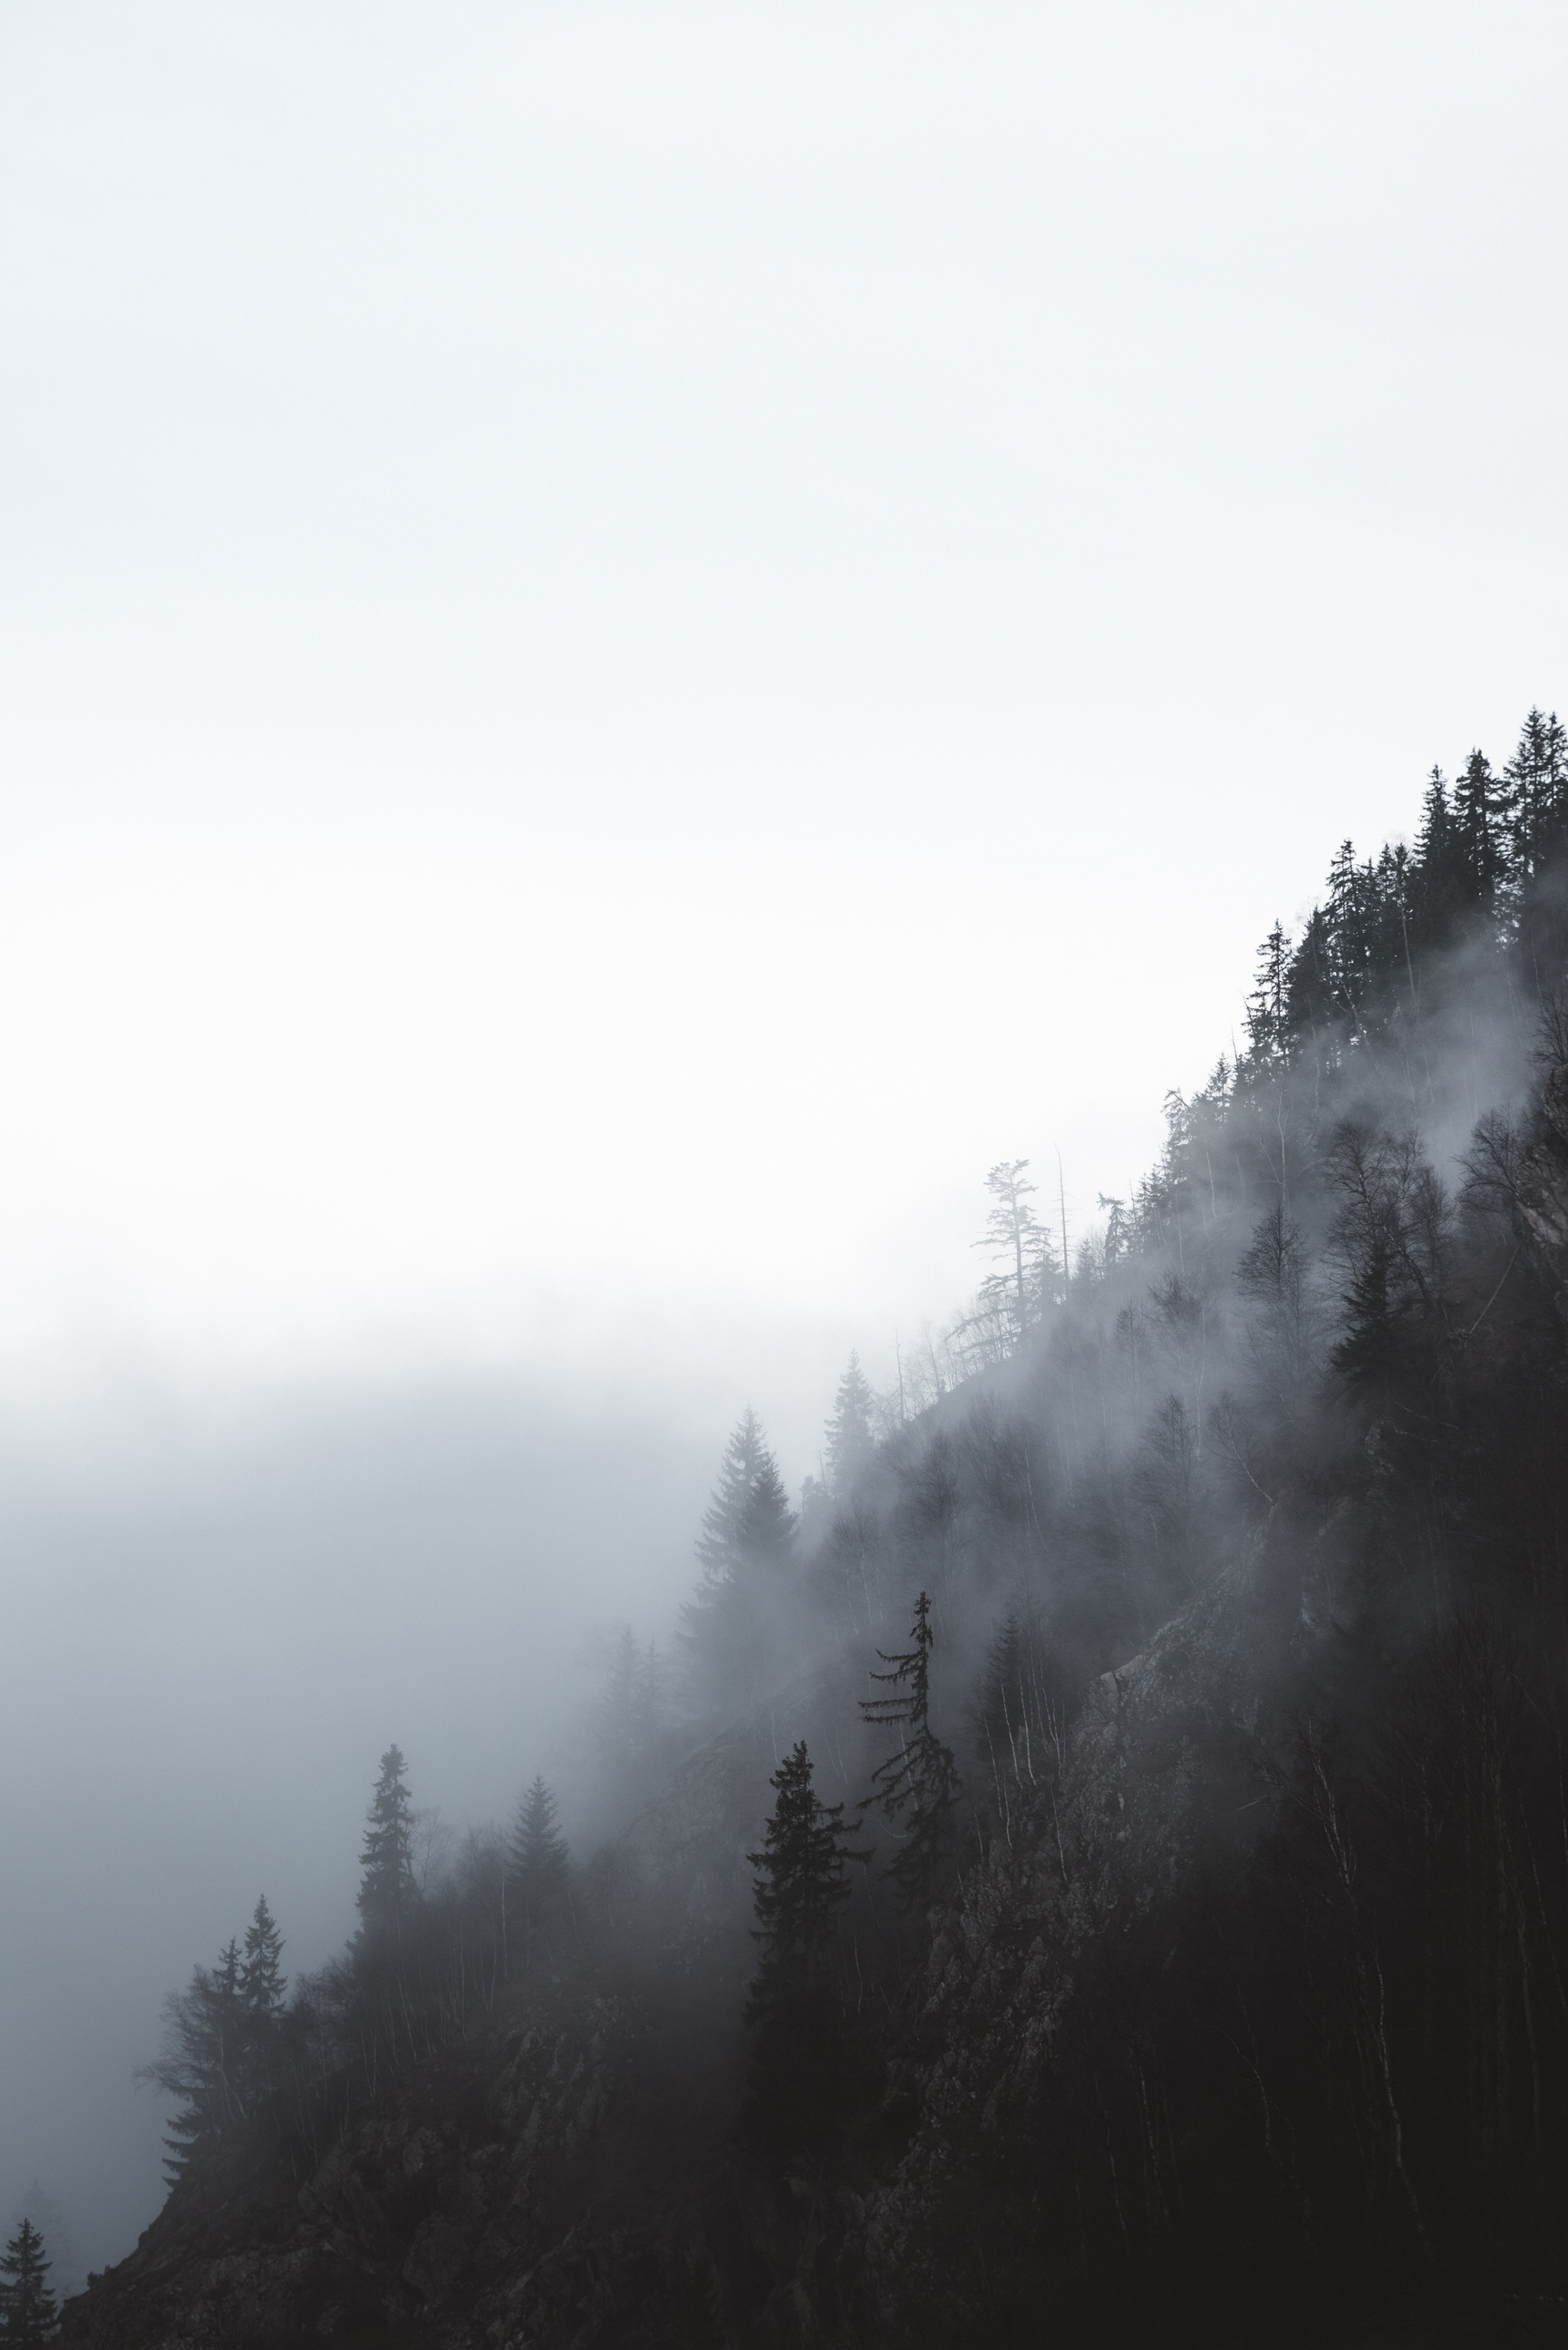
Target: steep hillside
<point>1198,1965</point>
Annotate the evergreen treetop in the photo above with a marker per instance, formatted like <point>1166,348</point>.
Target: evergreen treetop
<point>747,1547</point>
<point>27,2311</point>
<point>916,1784</point>
<point>387,1856</point>
<point>745,1456</point>
<point>538,1864</point>
<point>803,1875</point>
<point>851,1437</point>
<point>1536,781</point>
<point>209,2060</point>
<point>1014,1233</point>
<point>262,1983</point>
<point>1267,1023</point>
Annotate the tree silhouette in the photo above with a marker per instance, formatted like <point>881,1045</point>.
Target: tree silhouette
<point>386,1857</point>
<point>538,1865</point>
<point>851,1440</point>
<point>916,1785</point>
<point>27,2304</point>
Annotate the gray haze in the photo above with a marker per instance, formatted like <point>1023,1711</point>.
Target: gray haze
<point>213,1640</point>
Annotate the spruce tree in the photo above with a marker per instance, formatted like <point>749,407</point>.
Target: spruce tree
<point>1441,891</point>
<point>851,1440</point>
<point>27,2312</point>
<point>1368,1352</point>
<point>803,1875</point>
<point>204,2061</point>
<point>918,1784</point>
<point>1480,809</point>
<point>1312,997</point>
<point>387,1856</point>
<point>262,1981</point>
<point>538,1864</point>
<point>747,1548</point>
<point>1267,1025</point>
<point>1537,793</point>
<point>1013,1233</point>
<point>745,1455</point>
<point>262,1986</point>
<point>807,2070</point>
<point>1342,910</point>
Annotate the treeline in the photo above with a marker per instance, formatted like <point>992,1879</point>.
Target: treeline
<point>1179,1654</point>
<point>438,1937</point>
<point>1246,1529</point>
<point>1242,1795</point>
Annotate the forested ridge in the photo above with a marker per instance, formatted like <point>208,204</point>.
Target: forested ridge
<point>1096,1869</point>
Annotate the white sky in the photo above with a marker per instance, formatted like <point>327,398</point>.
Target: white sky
<point>635,638</point>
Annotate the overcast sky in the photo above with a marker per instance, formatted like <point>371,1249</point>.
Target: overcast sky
<point>634,639</point>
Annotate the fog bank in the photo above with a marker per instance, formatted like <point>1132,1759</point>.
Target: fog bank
<point>215,1632</point>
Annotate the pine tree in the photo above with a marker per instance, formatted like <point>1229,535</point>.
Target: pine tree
<point>262,1986</point>
<point>918,1784</point>
<point>1311,998</point>
<point>1267,1025</point>
<point>1013,1233</point>
<point>538,1864</point>
<point>386,1894</point>
<point>1118,1237</point>
<point>745,1455</point>
<point>747,1550</point>
<point>262,1981</point>
<point>27,2312</point>
<point>807,2068</point>
<point>851,1439</point>
<point>1342,910</point>
<point>1481,812</point>
<point>803,1873</point>
<point>1368,1353</point>
<point>204,2061</point>
<point>1441,891</point>
<point>765,1538</point>
<point>1537,795</point>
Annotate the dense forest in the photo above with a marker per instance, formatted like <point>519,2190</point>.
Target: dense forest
<point>1093,1867</point>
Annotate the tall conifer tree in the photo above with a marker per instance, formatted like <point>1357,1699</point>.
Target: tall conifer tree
<point>28,2310</point>
<point>803,1875</point>
<point>747,1549</point>
<point>262,1987</point>
<point>387,1855</point>
<point>805,2066</point>
<point>538,1864</point>
<point>916,1785</point>
<point>1268,1026</point>
<point>205,2060</point>
<point>851,1439</point>
<point>1536,779</point>
<point>1480,819</point>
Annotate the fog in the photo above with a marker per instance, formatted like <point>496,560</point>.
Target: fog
<point>638,639</point>
<point>219,1616</point>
